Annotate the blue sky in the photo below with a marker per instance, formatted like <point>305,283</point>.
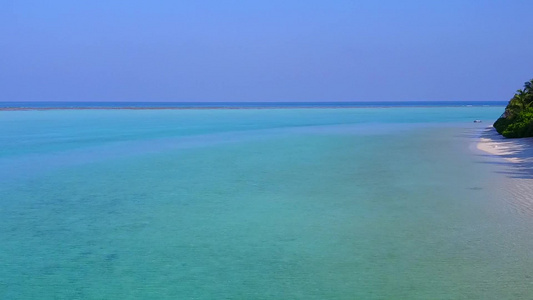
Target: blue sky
<point>264,50</point>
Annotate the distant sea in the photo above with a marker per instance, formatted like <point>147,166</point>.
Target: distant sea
<point>347,203</point>
<point>114,105</point>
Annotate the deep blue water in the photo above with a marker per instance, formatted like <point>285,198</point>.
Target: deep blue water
<point>38,105</point>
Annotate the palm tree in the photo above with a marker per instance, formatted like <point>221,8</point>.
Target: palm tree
<point>528,89</point>
<point>521,97</point>
<point>517,104</point>
<point>528,86</point>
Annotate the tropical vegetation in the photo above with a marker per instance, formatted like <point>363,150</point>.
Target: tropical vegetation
<point>517,120</point>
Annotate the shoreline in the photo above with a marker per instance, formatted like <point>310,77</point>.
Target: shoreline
<point>512,150</point>
<point>514,162</point>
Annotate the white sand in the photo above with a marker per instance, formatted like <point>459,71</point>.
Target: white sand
<point>512,150</point>
<point>519,170</point>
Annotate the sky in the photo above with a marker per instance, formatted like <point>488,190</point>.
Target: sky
<point>275,50</point>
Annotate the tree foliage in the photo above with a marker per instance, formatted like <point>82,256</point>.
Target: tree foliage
<point>517,120</point>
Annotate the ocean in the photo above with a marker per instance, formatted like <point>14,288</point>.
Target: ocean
<point>388,202</point>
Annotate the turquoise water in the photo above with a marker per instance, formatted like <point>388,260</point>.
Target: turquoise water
<point>257,204</point>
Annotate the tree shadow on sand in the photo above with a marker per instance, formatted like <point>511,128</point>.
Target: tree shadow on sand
<point>515,155</point>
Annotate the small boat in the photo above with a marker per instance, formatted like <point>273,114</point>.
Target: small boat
<point>477,121</point>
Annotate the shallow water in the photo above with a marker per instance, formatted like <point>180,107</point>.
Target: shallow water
<point>257,204</point>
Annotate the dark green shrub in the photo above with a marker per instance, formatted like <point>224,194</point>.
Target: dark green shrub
<point>520,126</point>
<point>517,120</point>
<point>501,124</point>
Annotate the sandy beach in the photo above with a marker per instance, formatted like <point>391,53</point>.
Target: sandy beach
<point>512,150</point>
<point>517,165</point>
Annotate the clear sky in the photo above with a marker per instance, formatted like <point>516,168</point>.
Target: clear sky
<point>275,50</point>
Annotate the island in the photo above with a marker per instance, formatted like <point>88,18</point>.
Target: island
<point>517,120</point>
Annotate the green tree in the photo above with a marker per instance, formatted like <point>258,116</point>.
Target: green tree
<point>528,86</point>
<point>517,120</point>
